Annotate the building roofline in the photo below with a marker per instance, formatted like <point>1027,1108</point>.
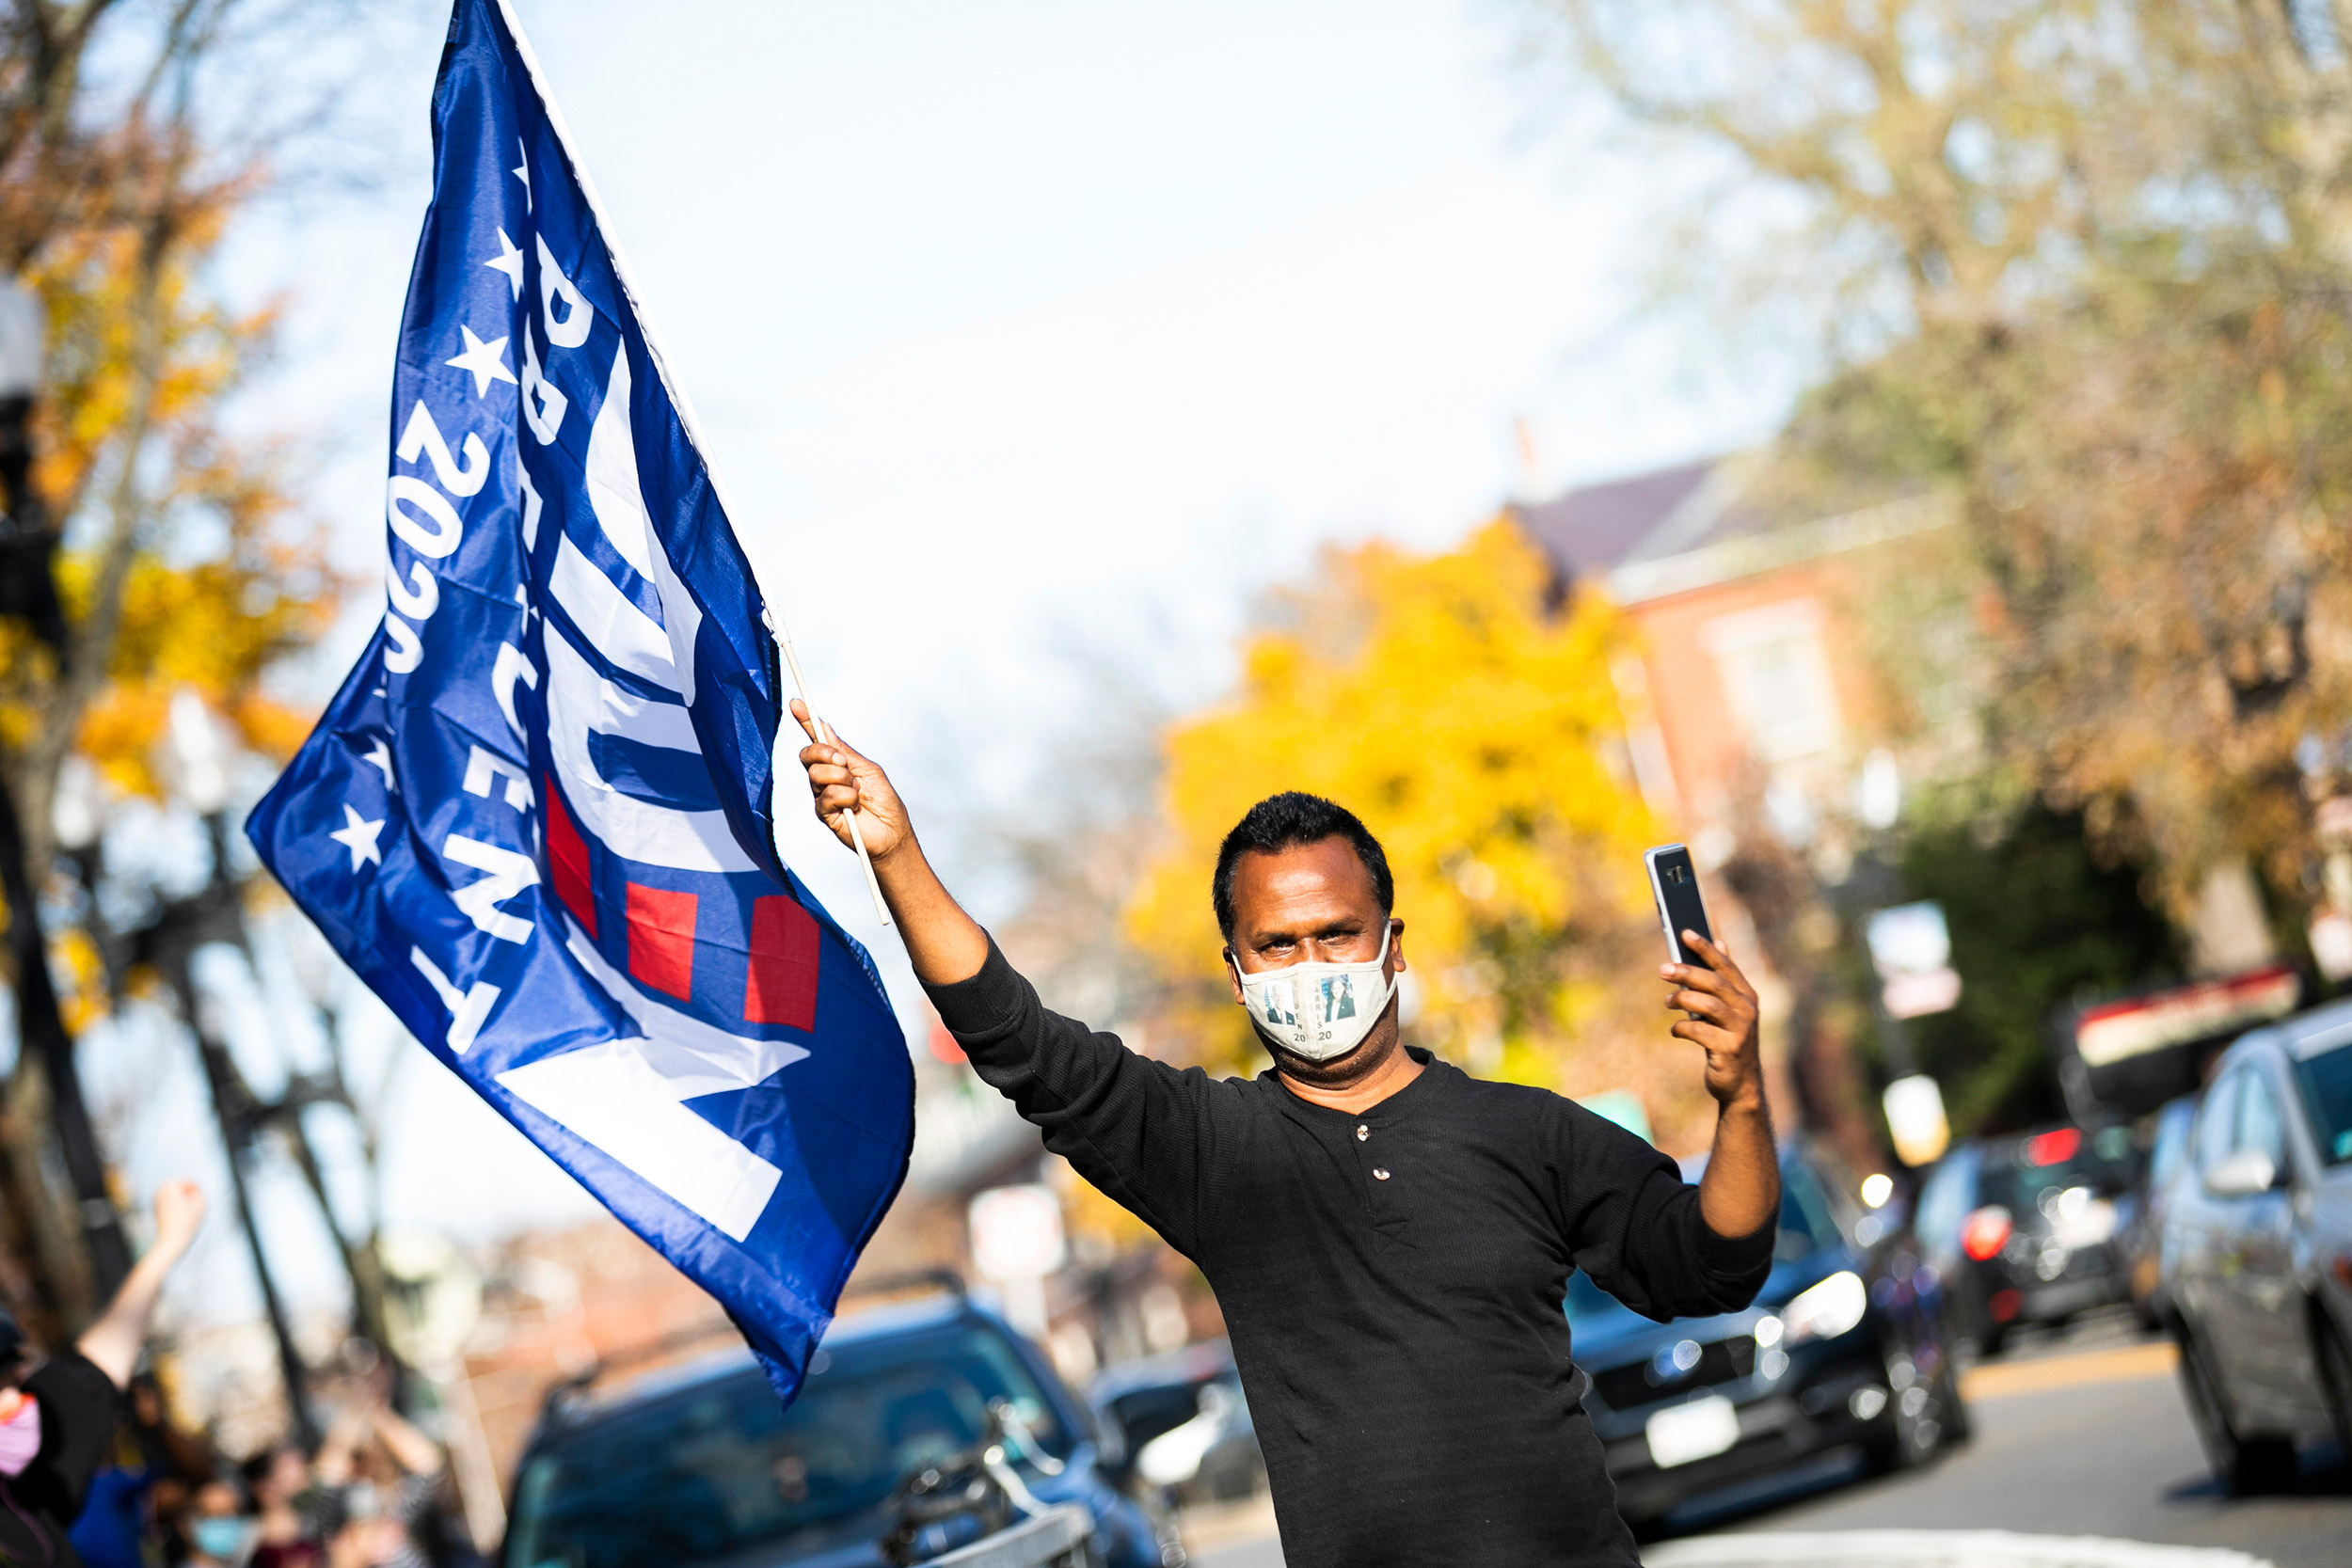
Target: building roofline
<point>1642,581</point>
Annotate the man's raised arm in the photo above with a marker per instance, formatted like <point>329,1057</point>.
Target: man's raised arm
<point>1138,1129</point>
<point>946,944</point>
<point>1739,1194</point>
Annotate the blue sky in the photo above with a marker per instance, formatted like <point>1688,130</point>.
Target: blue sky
<point>1035,326</point>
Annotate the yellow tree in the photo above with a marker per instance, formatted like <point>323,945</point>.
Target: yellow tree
<point>1469,717</point>
<point>162,613</point>
<point>129,138</point>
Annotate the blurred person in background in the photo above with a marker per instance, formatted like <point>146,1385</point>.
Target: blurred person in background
<point>145,1485</point>
<point>112,1530</point>
<point>215,1527</point>
<point>58,1416</point>
<point>1390,1238</point>
<point>286,1522</point>
<point>370,1543</point>
<point>379,1491</point>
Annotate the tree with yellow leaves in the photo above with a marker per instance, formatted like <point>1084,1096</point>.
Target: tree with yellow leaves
<point>128,139</point>
<point>1466,713</point>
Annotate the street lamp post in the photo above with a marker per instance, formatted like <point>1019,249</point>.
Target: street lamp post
<point>23,344</point>
<point>41,1028</point>
<point>28,589</point>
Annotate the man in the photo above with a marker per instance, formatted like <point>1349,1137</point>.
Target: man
<point>57,1423</point>
<point>1390,1239</point>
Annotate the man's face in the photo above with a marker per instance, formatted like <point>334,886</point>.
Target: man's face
<point>1312,903</point>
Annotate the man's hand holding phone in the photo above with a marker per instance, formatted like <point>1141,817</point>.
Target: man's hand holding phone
<point>1739,1193</point>
<point>1720,1013</point>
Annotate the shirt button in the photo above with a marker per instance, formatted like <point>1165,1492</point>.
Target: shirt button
<point>1363,1131</point>
<point>1379,1175</point>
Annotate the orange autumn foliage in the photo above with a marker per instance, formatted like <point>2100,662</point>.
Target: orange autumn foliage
<point>219,587</point>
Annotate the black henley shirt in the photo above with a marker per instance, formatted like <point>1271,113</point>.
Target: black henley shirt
<point>1391,1281</point>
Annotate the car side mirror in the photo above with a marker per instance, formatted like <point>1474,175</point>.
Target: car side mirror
<point>2242,1175</point>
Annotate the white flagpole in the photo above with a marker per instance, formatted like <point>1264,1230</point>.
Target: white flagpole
<point>824,732</point>
<point>678,399</point>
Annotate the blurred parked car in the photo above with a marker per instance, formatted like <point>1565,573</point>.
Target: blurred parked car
<point>700,1465</point>
<point>1185,1423</point>
<point>2022,1230</point>
<point>2258,1250</point>
<point>2139,1213</point>
<point>1844,1350</point>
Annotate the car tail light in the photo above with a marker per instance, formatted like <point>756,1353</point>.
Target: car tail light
<point>1986,1232</point>
<point>2004,1305</point>
<point>2054,1147</point>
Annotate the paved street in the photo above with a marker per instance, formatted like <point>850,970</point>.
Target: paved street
<point>2083,1437</point>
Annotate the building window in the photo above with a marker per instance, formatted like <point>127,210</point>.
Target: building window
<point>1776,678</point>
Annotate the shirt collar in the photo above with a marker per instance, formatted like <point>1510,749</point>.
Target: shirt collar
<point>1397,1106</point>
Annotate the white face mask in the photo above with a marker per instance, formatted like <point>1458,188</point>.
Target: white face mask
<point>1318,1011</point>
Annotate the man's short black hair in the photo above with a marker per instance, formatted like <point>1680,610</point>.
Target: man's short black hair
<point>1289,822</point>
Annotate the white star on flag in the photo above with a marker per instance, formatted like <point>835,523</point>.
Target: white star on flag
<point>509,260</point>
<point>381,756</point>
<point>358,835</point>
<point>523,173</point>
<point>486,362</point>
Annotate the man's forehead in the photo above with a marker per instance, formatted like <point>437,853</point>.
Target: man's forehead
<point>1302,883</point>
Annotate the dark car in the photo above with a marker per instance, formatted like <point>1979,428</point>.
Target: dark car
<point>1844,1351</point>
<point>2139,1213</point>
<point>700,1464</point>
<point>1185,1423</point>
<point>2022,1229</point>
<point>2258,1250</point>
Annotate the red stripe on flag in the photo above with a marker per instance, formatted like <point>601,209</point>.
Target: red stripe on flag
<point>782,988</point>
<point>661,940</point>
<point>568,860</point>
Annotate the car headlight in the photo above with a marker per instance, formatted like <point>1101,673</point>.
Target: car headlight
<point>1828,1309</point>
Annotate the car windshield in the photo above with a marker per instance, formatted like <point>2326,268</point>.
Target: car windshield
<point>2035,1172</point>
<point>2325,1079</point>
<point>1805,1219</point>
<point>709,1472</point>
<point>1806,1225</point>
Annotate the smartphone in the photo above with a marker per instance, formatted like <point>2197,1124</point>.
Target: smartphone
<point>1674,881</point>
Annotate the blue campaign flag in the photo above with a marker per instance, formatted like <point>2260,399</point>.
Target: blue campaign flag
<point>537,818</point>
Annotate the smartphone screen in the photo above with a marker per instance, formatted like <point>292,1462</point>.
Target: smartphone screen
<point>1674,881</point>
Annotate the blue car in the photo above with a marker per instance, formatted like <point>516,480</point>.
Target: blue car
<point>1845,1353</point>
<point>698,1464</point>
